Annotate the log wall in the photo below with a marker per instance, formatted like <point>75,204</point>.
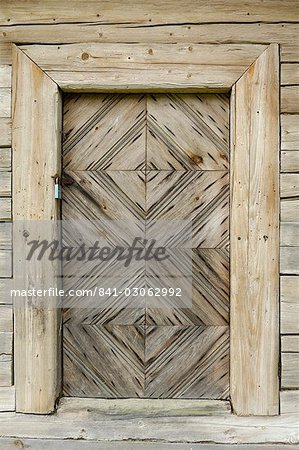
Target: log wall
<point>191,21</point>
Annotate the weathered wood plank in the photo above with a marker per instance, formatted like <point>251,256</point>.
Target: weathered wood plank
<point>50,444</point>
<point>284,33</point>
<point>289,344</point>
<point>289,185</point>
<point>289,52</point>
<point>289,74</point>
<point>5,132</point>
<point>254,244</point>
<point>289,161</point>
<point>289,402</point>
<point>5,159</point>
<point>5,184</point>
<point>289,370</point>
<point>36,125</point>
<point>6,284</point>
<point>6,321</point>
<point>5,250</point>
<point>289,260</point>
<point>290,99</point>
<point>5,102</point>
<point>7,398</point>
<point>142,67</point>
<point>289,210</point>
<point>150,12</point>
<point>5,208</point>
<point>5,50</point>
<point>5,370</point>
<point>289,132</point>
<point>289,234</point>
<point>144,407</point>
<point>289,304</point>
<point>89,425</point>
<point>5,76</point>
<point>6,342</point>
<point>90,57</point>
<point>158,79</point>
<point>5,236</point>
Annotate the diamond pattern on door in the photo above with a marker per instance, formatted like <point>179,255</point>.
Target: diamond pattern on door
<point>154,167</point>
<point>186,362</point>
<point>104,361</point>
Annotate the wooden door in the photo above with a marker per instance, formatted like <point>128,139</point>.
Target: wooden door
<point>145,159</point>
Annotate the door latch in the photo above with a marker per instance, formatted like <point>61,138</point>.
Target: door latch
<point>57,188</point>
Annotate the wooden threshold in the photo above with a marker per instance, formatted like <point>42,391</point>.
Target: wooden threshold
<point>88,424</point>
<point>144,407</point>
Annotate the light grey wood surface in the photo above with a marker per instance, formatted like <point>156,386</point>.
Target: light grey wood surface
<point>289,307</point>
<point>290,131</point>
<point>253,23</point>
<point>224,429</point>
<point>36,144</point>
<point>255,243</point>
<point>192,67</point>
<point>50,444</point>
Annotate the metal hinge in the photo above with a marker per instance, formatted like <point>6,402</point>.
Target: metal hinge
<point>57,188</point>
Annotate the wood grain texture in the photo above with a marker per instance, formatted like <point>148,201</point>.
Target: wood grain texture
<point>6,342</point>
<point>113,170</point>
<point>6,320</point>
<point>5,76</point>
<point>289,306</point>
<point>36,125</point>
<point>185,33</point>
<point>289,53</point>
<point>5,52</point>
<point>171,146</point>
<point>90,57</point>
<point>5,208</point>
<point>142,67</point>
<point>210,290</point>
<point>148,407</point>
<point>5,159</point>
<point>289,208</point>
<point>7,398</point>
<point>56,444</point>
<point>289,260</point>
<point>149,12</point>
<point>289,131</point>
<point>289,99</point>
<point>5,102</point>
<point>5,132</point>
<point>289,161</point>
<point>5,263</point>
<point>289,74</point>
<point>6,284</point>
<point>6,370</point>
<point>290,344</point>
<point>205,199</point>
<point>254,244</point>
<point>87,425</point>
<point>5,184</point>
<point>289,370</point>
<point>103,361</point>
<point>289,185</point>
<point>187,362</point>
<point>289,234</point>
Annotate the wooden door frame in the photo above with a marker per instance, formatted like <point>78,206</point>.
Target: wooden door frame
<point>251,73</point>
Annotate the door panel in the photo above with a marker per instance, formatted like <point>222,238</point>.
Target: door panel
<point>187,132</point>
<point>186,362</point>
<point>104,361</point>
<point>152,167</point>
